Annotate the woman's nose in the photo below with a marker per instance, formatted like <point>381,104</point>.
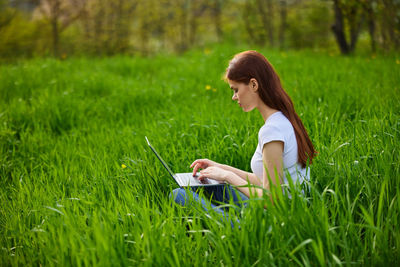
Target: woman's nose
<point>234,97</point>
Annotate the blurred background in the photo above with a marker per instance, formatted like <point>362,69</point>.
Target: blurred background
<point>64,28</point>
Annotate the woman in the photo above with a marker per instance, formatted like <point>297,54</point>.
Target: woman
<point>283,149</point>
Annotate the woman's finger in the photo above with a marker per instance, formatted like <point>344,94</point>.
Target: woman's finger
<point>204,172</point>
<point>202,176</point>
<point>201,162</point>
<point>196,167</point>
<point>194,162</point>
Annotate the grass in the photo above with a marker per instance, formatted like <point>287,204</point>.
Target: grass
<point>66,128</point>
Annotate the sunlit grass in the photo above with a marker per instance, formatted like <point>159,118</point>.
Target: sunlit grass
<point>80,187</point>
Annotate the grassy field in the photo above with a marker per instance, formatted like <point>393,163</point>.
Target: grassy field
<point>67,127</point>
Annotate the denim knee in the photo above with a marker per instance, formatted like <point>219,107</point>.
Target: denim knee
<point>179,196</point>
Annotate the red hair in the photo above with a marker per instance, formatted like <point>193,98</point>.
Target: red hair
<point>251,64</point>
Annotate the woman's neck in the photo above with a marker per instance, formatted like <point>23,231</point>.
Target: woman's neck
<point>266,111</point>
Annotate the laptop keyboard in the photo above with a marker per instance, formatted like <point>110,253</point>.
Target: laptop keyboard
<point>184,178</point>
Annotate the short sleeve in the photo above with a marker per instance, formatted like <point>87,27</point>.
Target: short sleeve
<point>269,133</point>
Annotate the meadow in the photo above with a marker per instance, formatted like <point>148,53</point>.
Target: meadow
<point>79,186</point>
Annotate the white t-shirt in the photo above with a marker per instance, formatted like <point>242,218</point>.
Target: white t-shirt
<point>278,128</point>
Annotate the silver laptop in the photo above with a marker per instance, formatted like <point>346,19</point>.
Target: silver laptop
<point>184,179</point>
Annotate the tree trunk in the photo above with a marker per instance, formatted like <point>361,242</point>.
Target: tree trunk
<point>371,25</point>
<point>192,30</point>
<point>183,21</point>
<point>338,28</point>
<point>217,19</point>
<point>355,26</point>
<point>119,27</point>
<point>371,30</point>
<point>247,24</point>
<point>98,29</point>
<point>282,28</point>
<point>267,19</point>
<point>55,15</point>
<point>192,23</point>
<point>270,14</point>
<point>55,34</point>
<point>264,19</point>
<point>391,23</point>
<point>86,26</point>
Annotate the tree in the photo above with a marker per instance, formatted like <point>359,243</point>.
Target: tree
<point>196,10</point>
<point>350,12</point>
<point>267,18</point>
<point>6,14</point>
<point>107,25</point>
<point>283,22</point>
<point>376,14</point>
<point>370,13</point>
<point>389,12</point>
<point>60,14</point>
<point>216,14</point>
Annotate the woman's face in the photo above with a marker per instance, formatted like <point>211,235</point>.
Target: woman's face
<point>245,94</point>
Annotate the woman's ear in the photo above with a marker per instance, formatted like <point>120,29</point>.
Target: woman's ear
<point>253,84</point>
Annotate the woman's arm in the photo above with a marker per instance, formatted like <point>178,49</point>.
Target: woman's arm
<point>206,163</point>
<point>251,177</point>
<point>273,160</point>
<point>273,165</point>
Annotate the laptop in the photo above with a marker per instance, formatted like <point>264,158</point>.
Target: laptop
<point>184,179</point>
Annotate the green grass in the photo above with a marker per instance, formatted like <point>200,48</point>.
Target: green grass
<point>67,126</point>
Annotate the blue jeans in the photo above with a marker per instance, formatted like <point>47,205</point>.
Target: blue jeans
<point>220,193</point>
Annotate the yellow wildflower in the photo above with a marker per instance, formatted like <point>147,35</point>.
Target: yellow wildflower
<point>123,166</point>
<point>208,87</point>
<point>214,90</point>
<point>397,61</point>
<point>207,51</point>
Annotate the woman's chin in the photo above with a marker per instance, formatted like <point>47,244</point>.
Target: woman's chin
<point>247,109</point>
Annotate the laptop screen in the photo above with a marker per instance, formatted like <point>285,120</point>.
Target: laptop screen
<point>159,157</point>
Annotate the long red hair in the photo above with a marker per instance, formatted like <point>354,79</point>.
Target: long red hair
<point>251,64</point>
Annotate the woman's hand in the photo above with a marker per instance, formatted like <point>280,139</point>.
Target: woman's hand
<point>215,173</point>
<point>202,164</point>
